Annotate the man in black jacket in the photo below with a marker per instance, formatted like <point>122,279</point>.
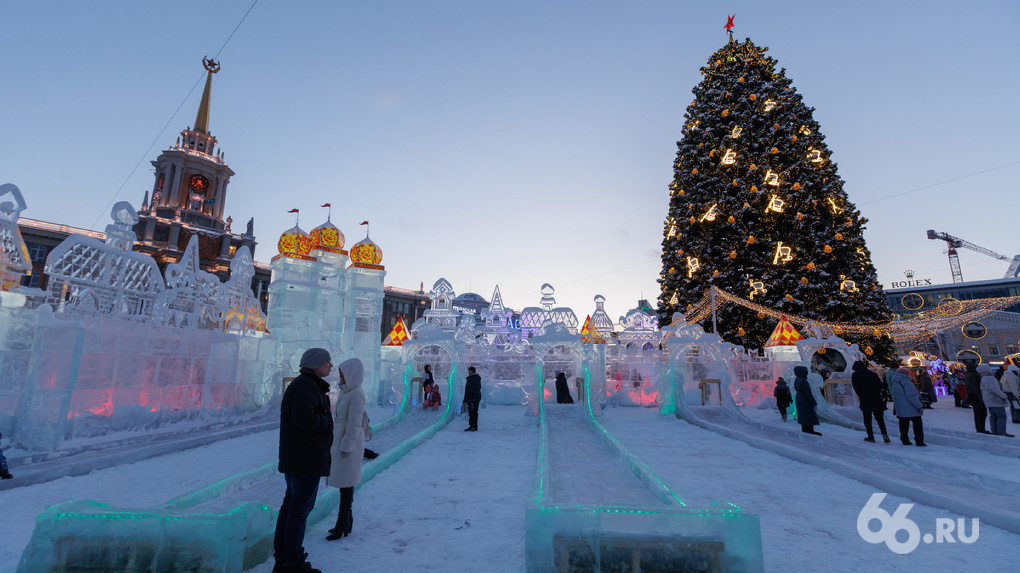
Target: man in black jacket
<point>973,381</point>
<point>306,434</point>
<point>472,397</point>
<point>868,387</point>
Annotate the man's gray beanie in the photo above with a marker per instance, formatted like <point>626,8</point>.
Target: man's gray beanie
<point>314,358</point>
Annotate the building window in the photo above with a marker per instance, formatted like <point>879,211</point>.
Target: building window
<point>1010,349</point>
<point>161,235</point>
<point>38,252</point>
<point>993,349</point>
<point>30,280</point>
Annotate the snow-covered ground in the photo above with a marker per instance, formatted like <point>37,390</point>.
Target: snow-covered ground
<point>456,503</point>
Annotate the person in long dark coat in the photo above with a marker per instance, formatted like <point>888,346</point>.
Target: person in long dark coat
<point>973,381</point>
<point>805,401</point>
<point>927,389</point>
<point>306,434</point>
<point>562,389</point>
<point>783,397</point>
<point>472,397</point>
<point>868,387</point>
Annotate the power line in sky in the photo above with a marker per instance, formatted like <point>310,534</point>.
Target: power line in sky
<point>148,150</point>
<point>939,183</point>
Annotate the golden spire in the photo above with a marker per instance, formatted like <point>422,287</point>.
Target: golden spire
<point>202,119</point>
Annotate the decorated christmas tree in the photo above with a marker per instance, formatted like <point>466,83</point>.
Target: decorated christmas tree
<point>757,209</point>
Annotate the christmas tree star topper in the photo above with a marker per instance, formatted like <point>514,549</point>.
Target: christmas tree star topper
<point>729,24</point>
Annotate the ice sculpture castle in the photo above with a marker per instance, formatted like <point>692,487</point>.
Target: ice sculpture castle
<point>317,300</point>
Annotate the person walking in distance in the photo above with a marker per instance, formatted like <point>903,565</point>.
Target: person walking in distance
<point>995,400</point>
<point>783,397</point>
<point>868,387</point>
<point>973,381</point>
<point>351,430</point>
<point>908,407</point>
<point>472,397</point>
<point>306,434</point>
<point>805,401</point>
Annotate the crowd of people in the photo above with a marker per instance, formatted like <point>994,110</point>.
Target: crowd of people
<point>986,392</point>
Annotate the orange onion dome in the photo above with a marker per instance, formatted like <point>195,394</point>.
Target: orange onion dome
<point>328,238</point>
<point>366,254</point>
<point>295,242</point>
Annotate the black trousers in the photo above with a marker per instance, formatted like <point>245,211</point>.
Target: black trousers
<point>980,413</point>
<point>782,411</point>
<point>345,517</point>
<point>472,407</point>
<point>918,430</point>
<point>879,417</point>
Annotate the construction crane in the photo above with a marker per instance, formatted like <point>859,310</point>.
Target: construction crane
<point>954,261</point>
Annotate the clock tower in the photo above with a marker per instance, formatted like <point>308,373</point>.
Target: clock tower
<point>189,198</point>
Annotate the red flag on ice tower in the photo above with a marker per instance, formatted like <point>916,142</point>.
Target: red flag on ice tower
<point>363,223</point>
<point>326,205</point>
<point>293,211</point>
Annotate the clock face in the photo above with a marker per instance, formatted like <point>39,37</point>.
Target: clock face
<point>199,183</point>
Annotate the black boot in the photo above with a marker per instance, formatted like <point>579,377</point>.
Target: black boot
<point>341,529</point>
<point>4,474</point>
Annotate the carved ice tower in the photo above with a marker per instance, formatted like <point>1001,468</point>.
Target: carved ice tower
<point>364,309</point>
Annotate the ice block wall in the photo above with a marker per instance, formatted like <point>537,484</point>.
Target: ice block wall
<point>65,377</point>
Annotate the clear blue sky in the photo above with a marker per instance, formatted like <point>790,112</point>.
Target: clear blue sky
<point>510,143</point>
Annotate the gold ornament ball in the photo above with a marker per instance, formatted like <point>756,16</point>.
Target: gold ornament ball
<point>733,254</point>
<point>725,112</point>
<point>694,171</point>
<point>821,351</point>
<point>741,79</point>
<point>775,127</point>
<point>793,138</point>
<point>761,315</point>
<point>789,298</point>
<point>731,220</point>
<point>877,332</point>
<point>715,273</point>
<point>868,350</point>
<point>799,215</point>
<point>754,189</point>
<point>740,332</point>
<point>750,239</point>
<point>803,280</point>
<point>711,153</point>
<point>735,184</point>
<point>693,220</point>
<point>827,249</point>
<point>774,151</point>
<point>839,236</point>
<point>753,167</point>
<point>810,266</point>
<point>751,97</point>
<point>682,192</point>
<point>718,62</point>
<point>796,186</point>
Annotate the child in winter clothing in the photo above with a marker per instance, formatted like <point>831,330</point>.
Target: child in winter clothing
<point>5,472</point>
<point>783,396</point>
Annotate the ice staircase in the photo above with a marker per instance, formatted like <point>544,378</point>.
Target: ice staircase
<point>597,507</point>
<point>226,527</point>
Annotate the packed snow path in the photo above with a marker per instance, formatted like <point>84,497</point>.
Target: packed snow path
<point>960,484</point>
<point>808,514</point>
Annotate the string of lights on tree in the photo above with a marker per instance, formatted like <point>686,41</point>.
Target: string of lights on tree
<point>949,314</point>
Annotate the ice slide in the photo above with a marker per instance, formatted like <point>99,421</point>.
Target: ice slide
<point>987,495</point>
<point>598,507</point>
<point>225,527</point>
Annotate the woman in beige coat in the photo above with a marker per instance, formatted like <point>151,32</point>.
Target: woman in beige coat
<point>350,432</point>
